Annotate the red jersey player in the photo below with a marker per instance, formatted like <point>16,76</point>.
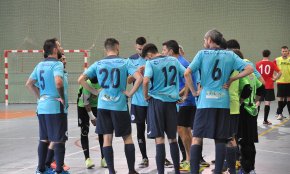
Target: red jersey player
<point>267,68</point>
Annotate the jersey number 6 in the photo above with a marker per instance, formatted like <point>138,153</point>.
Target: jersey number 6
<point>216,72</point>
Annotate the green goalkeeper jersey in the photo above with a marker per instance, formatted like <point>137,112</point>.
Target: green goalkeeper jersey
<point>249,103</point>
<point>86,98</point>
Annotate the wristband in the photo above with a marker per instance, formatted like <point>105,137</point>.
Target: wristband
<point>91,115</point>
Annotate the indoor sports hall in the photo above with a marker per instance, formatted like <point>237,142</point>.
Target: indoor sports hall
<point>82,27</point>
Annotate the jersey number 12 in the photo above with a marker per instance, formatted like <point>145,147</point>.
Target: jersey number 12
<point>171,82</point>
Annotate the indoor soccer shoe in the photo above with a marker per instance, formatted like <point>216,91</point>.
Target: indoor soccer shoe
<point>38,172</point>
<point>267,123</point>
<point>204,163</point>
<point>184,166</point>
<point>167,163</point>
<point>48,170</point>
<point>65,167</point>
<point>280,117</point>
<point>252,172</point>
<point>104,163</point>
<point>144,163</point>
<point>89,163</point>
<point>53,165</point>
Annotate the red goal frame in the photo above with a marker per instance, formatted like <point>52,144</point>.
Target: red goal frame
<point>6,65</point>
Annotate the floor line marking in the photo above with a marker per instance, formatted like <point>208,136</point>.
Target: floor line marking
<point>273,127</point>
<point>269,151</point>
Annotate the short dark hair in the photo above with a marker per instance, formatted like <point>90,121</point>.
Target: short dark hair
<point>110,43</point>
<point>239,53</point>
<point>141,41</point>
<point>233,44</point>
<point>149,48</point>
<point>48,46</point>
<point>172,45</point>
<point>266,53</point>
<point>223,44</point>
<point>45,55</point>
<point>284,47</point>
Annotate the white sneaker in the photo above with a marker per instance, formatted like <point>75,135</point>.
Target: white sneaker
<point>252,172</point>
<point>280,117</point>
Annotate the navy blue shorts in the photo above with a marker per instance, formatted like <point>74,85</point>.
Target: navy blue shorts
<point>108,121</point>
<point>213,123</point>
<point>161,117</point>
<point>186,116</point>
<point>53,127</point>
<point>138,114</point>
<point>234,123</point>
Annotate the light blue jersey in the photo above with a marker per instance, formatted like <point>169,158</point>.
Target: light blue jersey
<point>112,73</point>
<point>164,72</point>
<point>138,98</point>
<point>44,74</point>
<point>190,100</point>
<point>215,67</point>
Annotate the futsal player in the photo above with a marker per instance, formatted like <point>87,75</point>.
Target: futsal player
<point>138,103</point>
<point>187,108</point>
<point>52,105</point>
<point>212,115</point>
<point>113,115</point>
<point>87,112</point>
<point>267,68</point>
<point>163,72</point>
<point>283,83</point>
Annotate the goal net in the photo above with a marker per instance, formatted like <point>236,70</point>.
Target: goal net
<point>20,63</point>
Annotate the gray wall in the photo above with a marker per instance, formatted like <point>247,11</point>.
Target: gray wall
<point>25,24</point>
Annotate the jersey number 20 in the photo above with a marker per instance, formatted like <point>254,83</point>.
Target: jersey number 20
<point>114,73</point>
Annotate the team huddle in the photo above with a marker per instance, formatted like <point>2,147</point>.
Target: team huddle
<point>216,96</point>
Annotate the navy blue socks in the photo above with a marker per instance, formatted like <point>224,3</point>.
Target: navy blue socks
<point>160,158</point>
<point>195,154</point>
<point>42,152</point>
